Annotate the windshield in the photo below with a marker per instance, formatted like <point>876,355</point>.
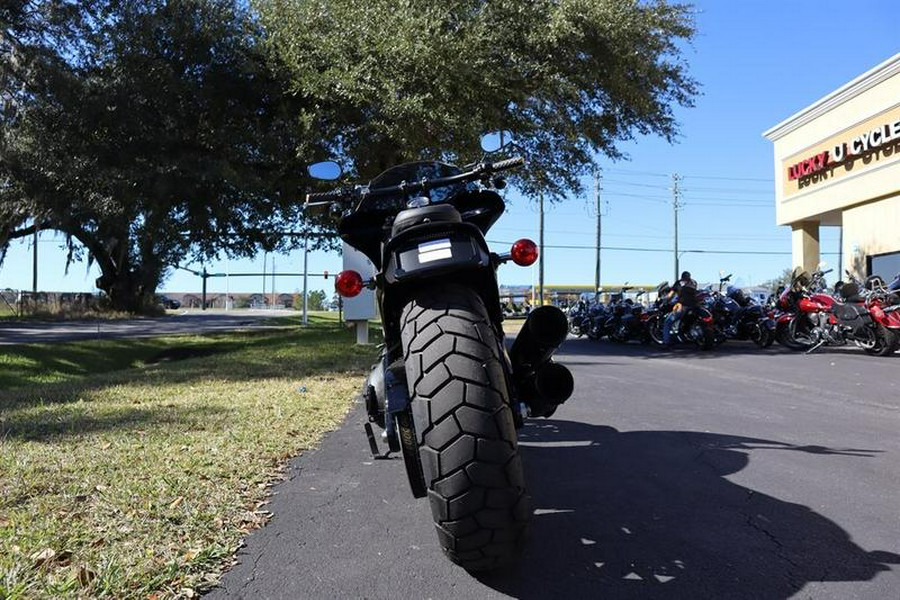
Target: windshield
<point>412,173</point>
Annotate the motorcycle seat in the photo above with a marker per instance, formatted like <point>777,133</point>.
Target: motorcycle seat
<point>426,214</point>
<point>849,312</point>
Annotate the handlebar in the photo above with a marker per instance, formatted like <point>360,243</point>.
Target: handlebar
<point>360,193</point>
<point>324,197</point>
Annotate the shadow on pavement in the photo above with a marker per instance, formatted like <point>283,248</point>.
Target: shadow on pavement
<point>650,514</point>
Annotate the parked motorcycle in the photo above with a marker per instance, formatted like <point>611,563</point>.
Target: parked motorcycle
<point>695,326</point>
<point>625,322</point>
<point>789,307</point>
<point>598,315</point>
<point>579,318</point>
<point>738,317</point>
<point>447,393</point>
<point>818,319</point>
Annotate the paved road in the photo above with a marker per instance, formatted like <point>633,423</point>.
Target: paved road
<point>726,475</point>
<point>185,322</point>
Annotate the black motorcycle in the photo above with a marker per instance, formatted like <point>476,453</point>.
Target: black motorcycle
<point>694,326</point>
<point>445,390</point>
<point>738,317</point>
<point>627,322</point>
<point>579,318</point>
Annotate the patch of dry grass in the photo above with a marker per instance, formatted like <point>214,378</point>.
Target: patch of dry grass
<point>142,482</point>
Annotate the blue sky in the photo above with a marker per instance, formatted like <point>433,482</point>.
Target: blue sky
<point>758,62</point>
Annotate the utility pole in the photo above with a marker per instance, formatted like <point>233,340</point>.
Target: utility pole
<point>227,292</point>
<point>676,205</point>
<point>205,276</point>
<point>599,230</point>
<point>541,255</point>
<point>272,306</point>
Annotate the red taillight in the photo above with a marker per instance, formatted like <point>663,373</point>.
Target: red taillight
<point>524,252</point>
<point>348,283</point>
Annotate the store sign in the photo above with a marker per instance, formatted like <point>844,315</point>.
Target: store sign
<point>808,166</point>
<point>858,146</point>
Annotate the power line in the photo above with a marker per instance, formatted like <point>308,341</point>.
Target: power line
<point>647,185</point>
<point>666,250</point>
<point>727,190</point>
<point>728,204</point>
<point>661,199</point>
<point>709,177</point>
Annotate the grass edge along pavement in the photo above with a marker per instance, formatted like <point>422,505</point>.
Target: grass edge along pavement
<point>142,481</point>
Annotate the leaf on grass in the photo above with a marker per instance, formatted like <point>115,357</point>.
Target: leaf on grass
<point>106,446</point>
<point>176,502</point>
<point>43,557</point>
<point>85,576</point>
<point>50,557</point>
<point>191,555</point>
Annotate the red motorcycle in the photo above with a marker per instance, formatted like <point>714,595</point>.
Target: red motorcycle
<point>811,318</point>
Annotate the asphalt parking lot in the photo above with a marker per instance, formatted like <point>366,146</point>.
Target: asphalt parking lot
<point>731,474</point>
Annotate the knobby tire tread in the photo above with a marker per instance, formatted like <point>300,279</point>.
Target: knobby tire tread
<point>466,435</point>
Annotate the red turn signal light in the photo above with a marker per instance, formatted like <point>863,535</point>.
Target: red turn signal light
<point>348,284</point>
<point>524,252</point>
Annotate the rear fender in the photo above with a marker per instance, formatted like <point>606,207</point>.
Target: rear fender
<point>434,250</point>
<point>889,317</point>
<point>438,251</point>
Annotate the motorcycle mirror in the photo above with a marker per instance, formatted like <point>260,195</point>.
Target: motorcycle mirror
<point>491,142</point>
<point>326,170</point>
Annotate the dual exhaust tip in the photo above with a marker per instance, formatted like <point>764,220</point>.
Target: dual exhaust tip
<point>541,383</point>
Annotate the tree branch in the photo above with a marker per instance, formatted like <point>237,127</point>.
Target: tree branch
<point>26,231</point>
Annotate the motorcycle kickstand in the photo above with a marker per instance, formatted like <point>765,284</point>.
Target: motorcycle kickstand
<point>373,445</point>
<point>815,347</point>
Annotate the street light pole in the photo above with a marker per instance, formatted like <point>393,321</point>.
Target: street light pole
<point>265,263</point>
<point>34,266</point>
<point>305,271</point>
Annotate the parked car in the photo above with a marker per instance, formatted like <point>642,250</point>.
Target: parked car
<point>169,303</point>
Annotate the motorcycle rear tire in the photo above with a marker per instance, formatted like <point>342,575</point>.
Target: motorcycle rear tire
<point>760,335</point>
<point>464,427</point>
<point>886,341</point>
<point>705,338</point>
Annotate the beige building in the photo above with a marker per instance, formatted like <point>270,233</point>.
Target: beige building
<point>837,163</point>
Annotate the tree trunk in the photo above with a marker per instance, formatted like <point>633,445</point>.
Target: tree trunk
<point>129,288</point>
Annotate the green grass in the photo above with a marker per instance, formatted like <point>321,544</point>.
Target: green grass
<point>131,469</point>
